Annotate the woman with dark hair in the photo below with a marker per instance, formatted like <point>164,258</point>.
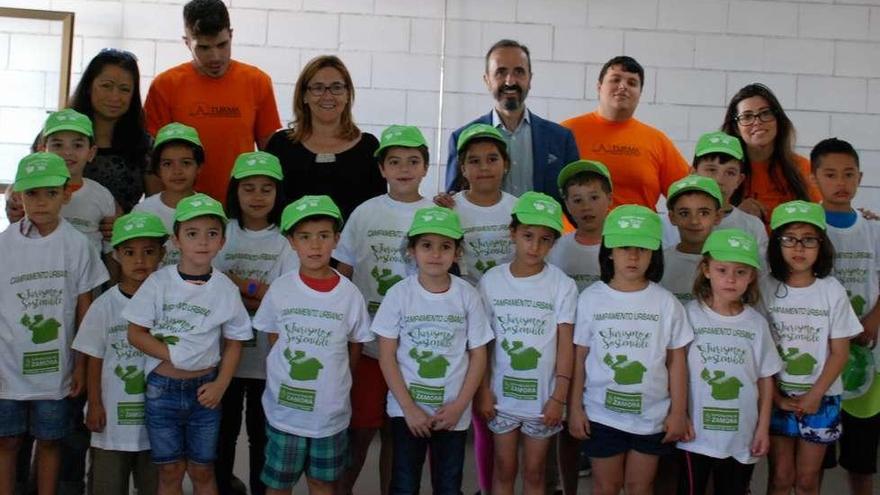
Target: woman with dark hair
<point>774,172</point>
<point>323,151</point>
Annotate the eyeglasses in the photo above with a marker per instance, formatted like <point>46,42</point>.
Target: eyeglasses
<point>118,53</point>
<point>319,89</point>
<point>765,115</point>
<point>807,242</point>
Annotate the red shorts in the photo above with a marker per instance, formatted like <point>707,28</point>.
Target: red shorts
<point>369,392</point>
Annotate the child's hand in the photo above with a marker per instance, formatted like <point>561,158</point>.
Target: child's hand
<point>785,403</point>
<point>689,433</point>
<point>447,416</point>
<point>808,403</point>
<point>761,443</point>
<point>96,418</point>
<point>676,427</point>
<point>106,227</point>
<point>578,422</point>
<point>14,208</point>
<point>753,207</point>
<point>418,421</point>
<point>868,337</point>
<point>78,380</point>
<point>552,412</point>
<point>210,393</point>
<point>445,200</point>
<point>485,401</point>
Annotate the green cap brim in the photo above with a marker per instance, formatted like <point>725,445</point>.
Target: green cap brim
<point>289,221</point>
<point>405,143</point>
<point>488,135</point>
<point>250,173</point>
<point>38,182</point>
<point>439,230</point>
<point>537,219</point>
<point>631,240</point>
<point>717,149</point>
<point>66,127</point>
<point>137,235</point>
<point>195,214</point>
<point>577,167</point>
<point>733,257</point>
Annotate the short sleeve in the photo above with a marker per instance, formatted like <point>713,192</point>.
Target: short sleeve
<point>267,120</point>
<point>346,249</point>
<point>289,260</point>
<point>681,333</point>
<point>91,338</point>
<point>360,325</point>
<point>875,235</point>
<point>674,166</point>
<point>238,326</point>
<point>566,300</point>
<point>265,318</point>
<point>486,300</point>
<point>156,110</point>
<point>92,272</point>
<point>479,331</point>
<point>844,322</point>
<point>141,308</point>
<point>389,316</point>
<point>583,326</point>
<point>769,361</point>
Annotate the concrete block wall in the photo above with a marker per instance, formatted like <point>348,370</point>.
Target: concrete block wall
<point>822,58</point>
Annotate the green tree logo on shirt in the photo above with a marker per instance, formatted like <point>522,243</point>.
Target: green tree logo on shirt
<point>798,363</point>
<point>133,379</point>
<point>167,339</point>
<point>386,279</point>
<point>626,371</point>
<point>484,267</point>
<point>857,302</point>
<point>302,367</point>
<point>723,387</point>
<point>42,330</point>
<point>430,365</point>
<point>521,358</point>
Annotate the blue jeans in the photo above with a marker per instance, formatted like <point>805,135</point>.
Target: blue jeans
<point>447,457</point>
<point>178,426</point>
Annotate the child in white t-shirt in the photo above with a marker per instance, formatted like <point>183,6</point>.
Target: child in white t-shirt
<point>432,330</point>
<point>45,292</point>
<point>176,159</point>
<point>694,204</point>
<point>316,321</point>
<point>371,252</point>
<point>731,361</point>
<point>181,317</point>
<point>254,254</point>
<point>629,388</point>
<point>115,370</point>
<point>531,305</point>
<point>812,321</point>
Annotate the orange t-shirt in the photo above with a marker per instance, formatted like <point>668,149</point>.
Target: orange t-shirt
<point>643,162</point>
<point>759,186</point>
<point>231,113</point>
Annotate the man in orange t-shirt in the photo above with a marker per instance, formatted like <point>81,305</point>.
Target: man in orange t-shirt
<point>642,160</point>
<point>230,103</point>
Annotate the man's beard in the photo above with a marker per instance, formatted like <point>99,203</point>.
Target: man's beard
<point>509,102</point>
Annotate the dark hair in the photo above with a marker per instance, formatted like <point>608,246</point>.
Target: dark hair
<point>176,226</point>
<point>156,156</point>
<point>780,271</point>
<point>313,218</point>
<point>205,17</point>
<point>129,134</point>
<point>722,158</point>
<point>703,288</point>
<point>233,205</point>
<point>828,146</point>
<point>462,182</point>
<point>670,204</point>
<point>606,265</point>
<point>301,127</point>
<point>514,223</point>
<point>506,43</point>
<point>782,160</point>
<point>585,177</point>
<point>423,150</point>
<point>628,64</point>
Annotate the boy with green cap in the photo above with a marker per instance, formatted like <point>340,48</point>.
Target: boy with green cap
<point>694,205</point>
<point>115,369</point>
<point>69,134</point>
<point>316,322</point>
<point>371,253</point>
<point>46,291</point>
<point>181,318</point>
<point>531,305</point>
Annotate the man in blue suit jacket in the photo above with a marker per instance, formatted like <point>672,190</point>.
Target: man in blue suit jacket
<point>538,148</point>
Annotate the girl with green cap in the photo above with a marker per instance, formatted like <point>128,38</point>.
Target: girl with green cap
<point>629,387</point>
<point>812,321</point>
<point>731,362</point>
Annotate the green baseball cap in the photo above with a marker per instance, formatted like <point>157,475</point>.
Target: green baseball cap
<point>135,225</point>
<point>176,131</point>
<point>699,183</point>
<point>579,166</point>
<point>198,205</point>
<point>257,163</point>
<point>309,206</point>
<point>719,142</point>
<point>406,136</point>
<point>632,226</point>
<point>733,245</point>
<point>68,120</point>
<point>798,211</point>
<point>436,220</point>
<point>534,208</point>
<point>474,131</point>
<point>40,170</point>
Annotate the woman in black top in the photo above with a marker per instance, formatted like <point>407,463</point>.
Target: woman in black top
<point>323,151</point>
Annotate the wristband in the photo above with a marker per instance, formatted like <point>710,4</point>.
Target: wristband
<point>564,376</point>
<point>252,288</point>
<point>554,399</point>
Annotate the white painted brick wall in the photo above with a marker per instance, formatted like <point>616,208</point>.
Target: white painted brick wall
<point>819,56</point>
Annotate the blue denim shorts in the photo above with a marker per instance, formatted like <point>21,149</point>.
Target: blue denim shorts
<point>178,426</point>
<point>821,427</point>
<point>43,419</point>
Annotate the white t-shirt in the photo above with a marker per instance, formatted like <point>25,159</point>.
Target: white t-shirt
<point>728,356</point>
<point>153,204</point>
<point>103,334</point>
<point>308,379</point>
<point>262,255</point>
<point>42,279</point>
<point>193,316</point>
<point>434,333</point>
<point>803,320</point>
<point>856,262</point>
<point>578,261</point>
<point>629,334</point>
<point>373,242</point>
<point>736,219</point>
<point>679,272</point>
<point>487,240</point>
<point>525,313</point>
<point>87,206</point>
